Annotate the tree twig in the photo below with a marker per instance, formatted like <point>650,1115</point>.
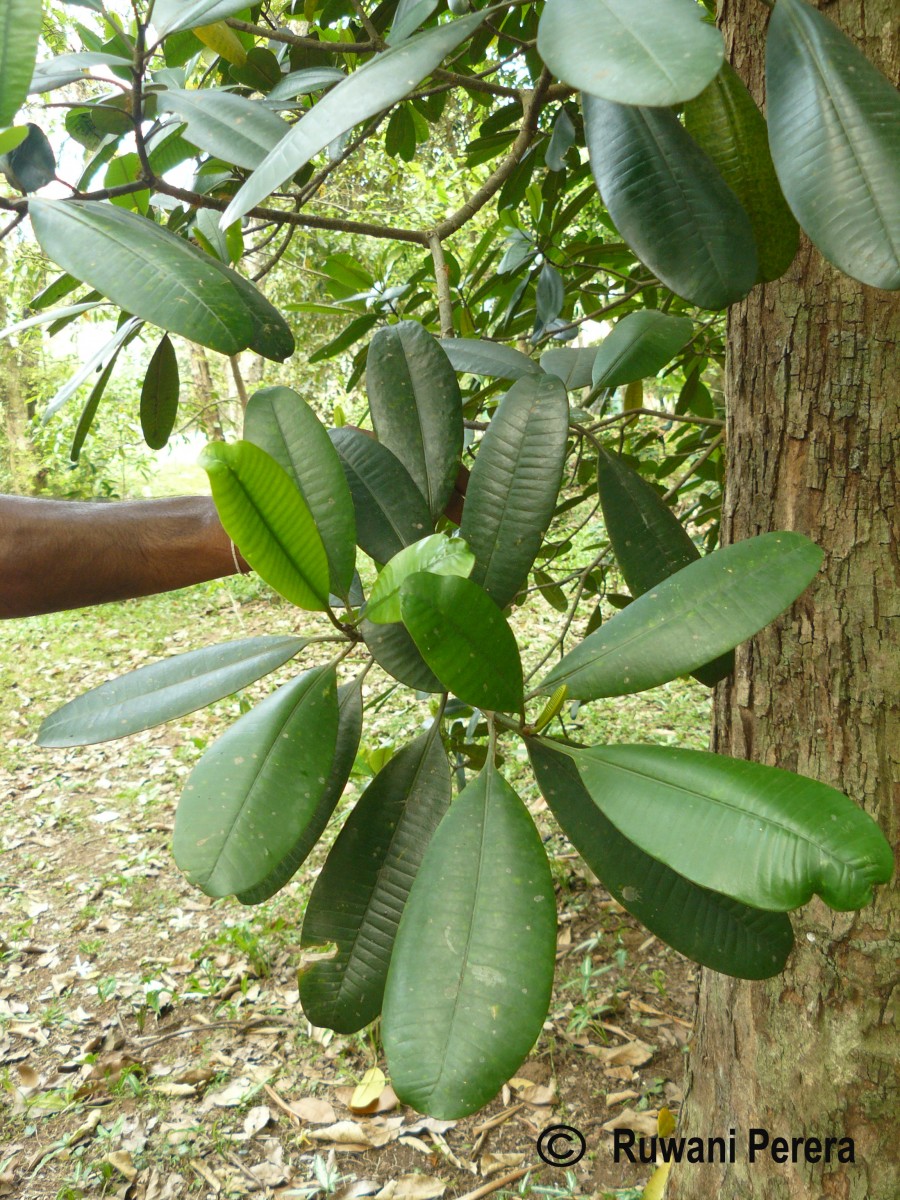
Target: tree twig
<point>442,282</point>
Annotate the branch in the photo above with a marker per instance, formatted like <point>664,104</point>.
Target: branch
<point>307,43</point>
<point>710,449</point>
<point>442,281</point>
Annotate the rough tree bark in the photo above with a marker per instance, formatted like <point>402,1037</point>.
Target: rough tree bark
<point>813,445</point>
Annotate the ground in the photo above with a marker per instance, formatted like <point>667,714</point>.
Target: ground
<point>151,1041</point>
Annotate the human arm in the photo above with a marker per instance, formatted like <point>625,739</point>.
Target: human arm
<point>60,554</point>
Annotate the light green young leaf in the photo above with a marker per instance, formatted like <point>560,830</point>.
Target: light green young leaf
<point>439,554</point>
<point>377,85</point>
<point>264,514</point>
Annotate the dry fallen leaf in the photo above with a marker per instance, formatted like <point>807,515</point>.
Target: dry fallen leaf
<point>122,1162</point>
<point>413,1187</point>
<point>317,1112</point>
<point>256,1119</point>
<point>643,1123</point>
<point>492,1163</point>
<point>632,1054</point>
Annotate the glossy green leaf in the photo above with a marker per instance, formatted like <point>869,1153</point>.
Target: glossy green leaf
<point>381,82</point>
<point>651,52</point>
<point>31,164</point>
<point>692,617</point>
<point>669,202</point>
<point>98,361</point>
<point>171,15</point>
<point>159,395</point>
<point>573,367</point>
<point>230,127</point>
<point>20,27</point>
<point>725,122</point>
<point>252,794</point>
<point>360,894</point>
<point>477,357</point>
<point>45,318</point>
<point>834,130</point>
<point>472,969</point>
<point>640,345</point>
<point>64,69</point>
<point>514,484</point>
<point>350,718</point>
<point>10,138</point>
<point>91,405</point>
<point>465,639</point>
<point>409,16</point>
<point>561,140</point>
<point>265,515</point>
<point>152,273</point>
<point>416,407</point>
<point>439,554</point>
<point>284,425</point>
<point>299,83</point>
<point>390,510</point>
<point>395,652</point>
<point>714,930</point>
<point>550,294</point>
<point>648,540</point>
<point>764,836</point>
<point>165,690</point>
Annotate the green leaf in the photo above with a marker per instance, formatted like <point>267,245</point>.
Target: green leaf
<point>165,690</point>
<point>126,168</point>
<point>91,405</point>
<point>299,83</point>
<point>172,15</point>
<point>650,52</point>
<point>395,652</point>
<point>159,395</point>
<point>390,510</point>
<point>263,512</point>
<point>31,164</point>
<point>152,273</point>
<point>252,794</point>
<point>714,930</point>
<point>767,837</point>
<point>834,130</point>
<point>230,127</point>
<point>439,554</point>
<point>20,27</point>
<point>10,138</point>
<point>465,639</point>
<point>70,68</point>
<point>561,140</point>
<point>640,345</point>
<point>377,85</point>
<point>107,353</point>
<point>416,407</point>
<point>690,618</point>
<point>477,357</point>
<point>359,896</point>
<point>514,484</point>
<point>472,969</point>
<point>409,16</point>
<point>283,424</point>
<point>573,367</point>
<point>648,540</point>
<point>669,202</point>
<point>725,122</point>
<point>350,717</point>
<point>550,294</point>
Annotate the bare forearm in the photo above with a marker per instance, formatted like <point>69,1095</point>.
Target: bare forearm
<point>57,554</point>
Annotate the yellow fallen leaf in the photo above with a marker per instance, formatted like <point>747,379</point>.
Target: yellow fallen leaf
<point>665,1123</point>
<point>657,1185</point>
<point>368,1090</point>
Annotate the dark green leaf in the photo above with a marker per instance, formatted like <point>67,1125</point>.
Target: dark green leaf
<point>395,652</point>
<point>32,163</point>
<point>159,395</point>
<point>472,969</point>
<point>252,794</point>
<point>550,294</point>
<point>652,52</point>
<point>359,896</point>
<point>390,510</point>
<point>725,122</point>
<point>764,836</point>
<point>310,79</point>
<point>416,407</point>
<point>640,345</point>
<point>714,930</point>
<point>562,138</point>
<point>573,367</point>
<point>345,339</point>
<point>158,276</point>
<point>648,540</point>
<point>263,512</point>
<point>513,487</point>
<point>477,357</point>
<point>284,425</point>
<point>670,203</point>
<point>230,127</point>
<point>165,690</point>
<point>377,85</point>
<point>89,412</point>
<point>465,639</point>
<point>834,130</point>
<point>350,717</point>
<point>20,27</point>
<point>690,618</point>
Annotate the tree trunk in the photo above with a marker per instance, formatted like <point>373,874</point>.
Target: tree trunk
<point>814,446</point>
<point>207,402</point>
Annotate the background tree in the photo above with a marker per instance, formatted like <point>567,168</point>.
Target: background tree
<point>690,216</point>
